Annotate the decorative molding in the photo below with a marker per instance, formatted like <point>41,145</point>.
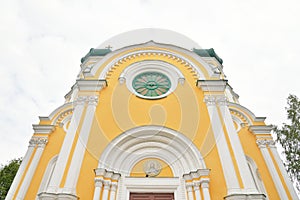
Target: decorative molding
<point>150,52</point>
<point>222,101</point>
<point>43,129</point>
<point>159,185</point>
<point>212,85</point>
<point>39,141</point>
<point>245,197</point>
<point>172,73</point>
<point>92,100</point>
<point>91,85</point>
<point>80,100</point>
<point>204,182</point>
<point>98,182</point>
<point>245,112</point>
<point>257,130</point>
<point>264,143</point>
<point>212,100</point>
<point>165,144</point>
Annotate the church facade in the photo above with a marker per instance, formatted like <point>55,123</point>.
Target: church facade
<point>151,116</point>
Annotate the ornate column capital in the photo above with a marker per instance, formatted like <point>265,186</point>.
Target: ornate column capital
<point>263,143</point>
<point>80,100</point>
<point>196,185</point>
<point>222,100</point>
<point>210,100</point>
<point>92,100</point>
<point>39,141</point>
<point>204,182</point>
<point>114,186</point>
<point>189,186</point>
<point>42,141</point>
<point>106,184</point>
<point>98,182</point>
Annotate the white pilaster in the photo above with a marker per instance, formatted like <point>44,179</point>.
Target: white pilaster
<point>283,170</point>
<point>248,182</point>
<point>41,142</point>
<point>189,189</point>
<point>262,144</point>
<point>205,188</point>
<point>21,170</point>
<point>197,189</point>
<point>66,147</point>
<point>106,189</point>
<point>98,188</point>
<point>74,170</point>
<point>223,150</point>
<point>113,190</point>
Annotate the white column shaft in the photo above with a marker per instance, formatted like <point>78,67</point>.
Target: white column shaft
<point>238,151</point>
<point>189,189</point>
<point>197,193</point>
<point>206,194</point>
<point>74,170</point>
<point>225,157</point>
<point>65,150</point>
<point>30,172</point>
<point>283,172</point>
<point>274,174</point>
<point>112,195</point>
<point>97,193</point>
<point>20,173</point>
<point>105,193</point>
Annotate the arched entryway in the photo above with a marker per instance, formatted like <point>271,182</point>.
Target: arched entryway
<point>156,142</point>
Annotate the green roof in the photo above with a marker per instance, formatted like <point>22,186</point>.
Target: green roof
<point>208,53</point>
<point>95,52</point>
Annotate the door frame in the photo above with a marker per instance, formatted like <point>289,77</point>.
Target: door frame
<point>151,185</point>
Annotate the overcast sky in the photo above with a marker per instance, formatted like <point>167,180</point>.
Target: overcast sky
<point>42,42</point>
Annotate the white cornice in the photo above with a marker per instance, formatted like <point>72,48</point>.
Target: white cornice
<point>91,85</point>
<point>212,85</point>
<point>165,50</point>
<point>260,129</point>
<point>43,129</point>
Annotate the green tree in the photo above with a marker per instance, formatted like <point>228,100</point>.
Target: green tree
<point>7,174</point>
<point>289,138</point>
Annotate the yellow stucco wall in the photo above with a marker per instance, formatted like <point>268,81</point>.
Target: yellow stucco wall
<point>119,110</point>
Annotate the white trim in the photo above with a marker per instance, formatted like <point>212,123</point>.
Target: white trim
<point>66,148</point>
<point>43,129</point>
<point>249,185</point>
<point>166,144</point>
<point>165,52</point>
<point>47,174</point>
<point>32,167</point>
<point>159,185</point>
<point>286,177</point>
<point>260,129</point>
<point>130,72</point>
<point>20,173</point>
<point>75,166</point>
<point>246,112</point>
<point>91,85</point>
<point>212,85</point>
<point>256,176</point>
<point>224,154</point>
<point>276,179</point>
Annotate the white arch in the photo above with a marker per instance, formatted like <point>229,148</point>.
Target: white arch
<point>188,62</point>
<point>151,142</point>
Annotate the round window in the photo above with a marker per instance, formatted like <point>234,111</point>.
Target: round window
<point>151,84</point>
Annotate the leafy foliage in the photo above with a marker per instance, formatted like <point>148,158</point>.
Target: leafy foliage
<point>289,138</point>
<point>7,174</point>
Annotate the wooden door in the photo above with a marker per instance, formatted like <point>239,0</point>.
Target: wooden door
<point>151,196</point>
